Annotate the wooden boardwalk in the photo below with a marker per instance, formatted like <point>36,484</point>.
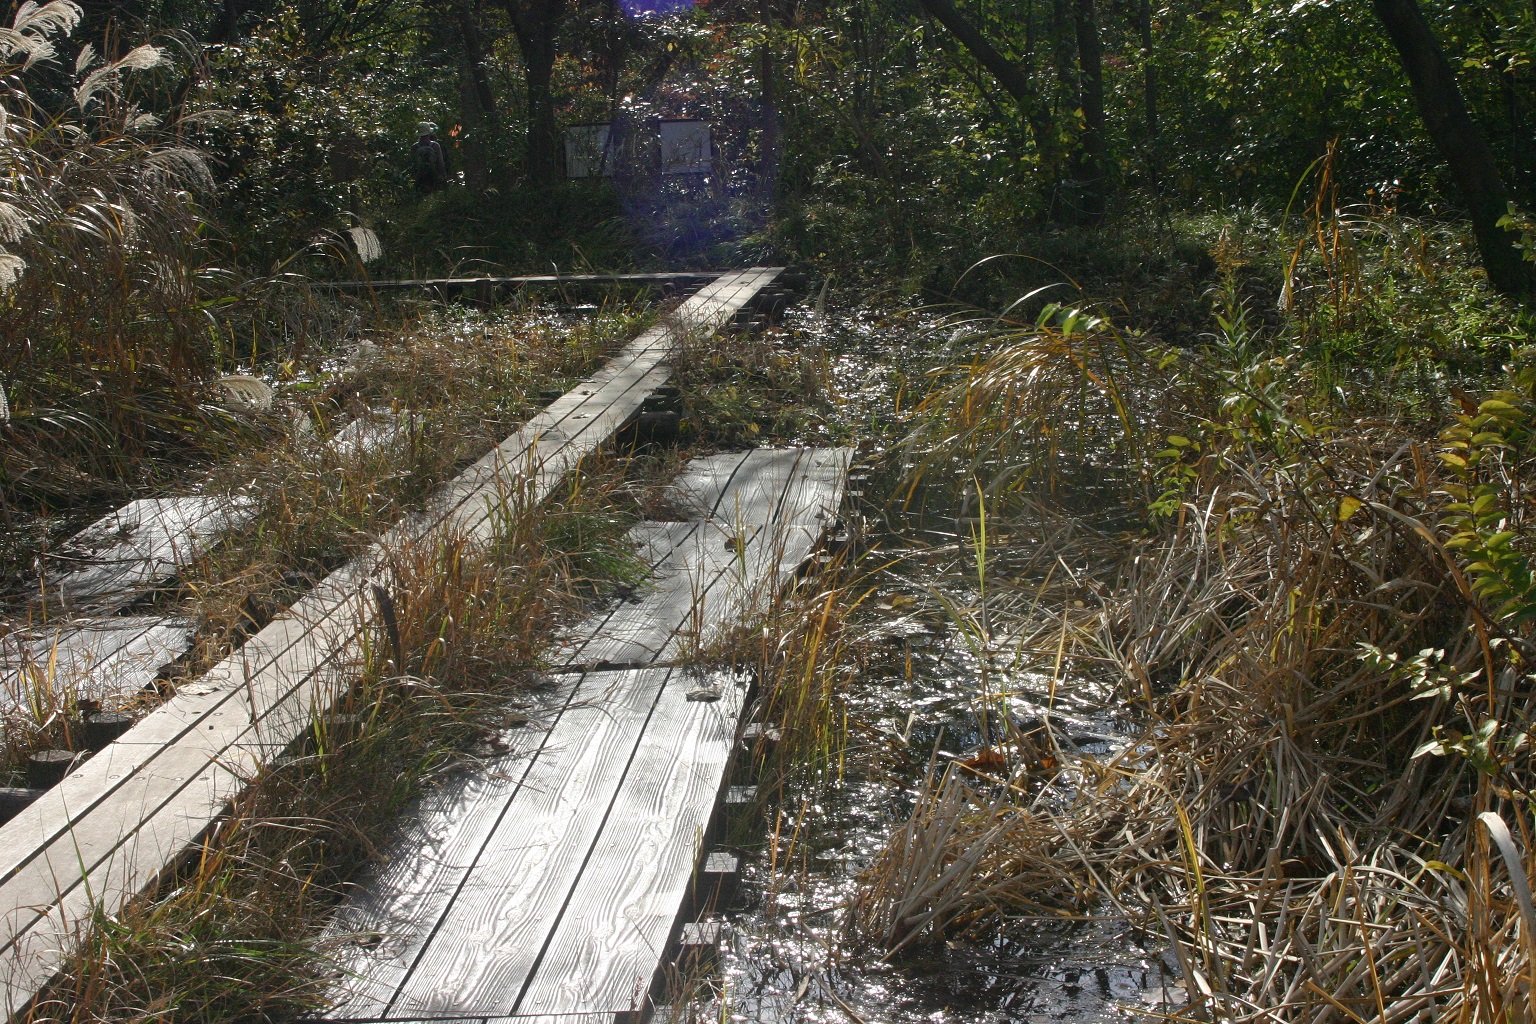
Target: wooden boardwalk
<point>95,659</point>
<point>535,280</point>
<point>84,646</point>
<point>549,881</point>
<point>759,515</point>
<point>125,554</point>
<point>113,825</point>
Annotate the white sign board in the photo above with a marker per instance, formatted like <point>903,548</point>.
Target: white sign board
<point>586,151</point>
<point>665,147</point>
<point>685,147</point>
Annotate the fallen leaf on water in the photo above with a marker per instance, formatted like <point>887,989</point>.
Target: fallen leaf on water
<point>987,760</point>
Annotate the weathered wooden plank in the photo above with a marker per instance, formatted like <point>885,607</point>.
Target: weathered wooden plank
<point>116,559</point>
<point>396,910</point>
<point>534,279</point>
<point>766,485</point>
<point>561,892</point>
<point>617,921</point>
<point>486,944</point>
<point>96,658</point>
<point>553,1018</point>
<point>715,575</point>
<point>170,776</point>
<point>710,580</point>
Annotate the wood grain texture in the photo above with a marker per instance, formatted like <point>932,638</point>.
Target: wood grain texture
<point>396,909</point>
<point>121,556</point>
<point>726,567</point>
<point>615,927</point>
<point>79,848</point>
<point>711,580</point>
<point>484,948</point>
<point>566,887</point>
<point>96,658</point>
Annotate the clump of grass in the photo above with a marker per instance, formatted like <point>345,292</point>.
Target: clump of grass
<point>440,392</point>
<point>111,309</point>
<point>1320,611</point>
<point>236,933</point>
<point>742,390</point>
<point>431,396</point>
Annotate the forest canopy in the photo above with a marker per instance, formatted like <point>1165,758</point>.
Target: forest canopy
<point>900,136</point>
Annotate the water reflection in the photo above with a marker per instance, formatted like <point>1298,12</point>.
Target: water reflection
<point>928,683</point>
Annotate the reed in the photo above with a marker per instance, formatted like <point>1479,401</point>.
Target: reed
<point>235,931</point>
<point>1317,601</point>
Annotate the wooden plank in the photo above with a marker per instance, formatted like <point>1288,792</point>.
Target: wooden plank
<point>707,582</point>
<point>487,942</point>
<point>395,909</point>
<point>617,922</point>
<point>109,828</point>
<point>534,279</point>
<point>765,485</point>
<point>530,891</point>
<point>126,553</point>
<point>717,574</point>
<point>309,639</point>
<point>551,1018</point>
<point>97,658</point>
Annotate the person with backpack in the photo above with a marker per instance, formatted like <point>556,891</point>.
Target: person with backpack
<point>429,169</point>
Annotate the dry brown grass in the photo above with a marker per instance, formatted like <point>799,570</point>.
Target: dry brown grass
<point>1280,816</point>
<point>235,932</point>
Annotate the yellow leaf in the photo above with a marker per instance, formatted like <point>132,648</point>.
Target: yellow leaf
<point>1348,506</point>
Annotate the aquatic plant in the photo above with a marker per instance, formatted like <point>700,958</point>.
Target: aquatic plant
<point>1319,612</point>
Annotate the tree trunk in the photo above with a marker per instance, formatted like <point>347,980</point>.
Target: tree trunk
<point>770,132</point>
<point>1459,140</point>
<point>1148,70</point>
<point>476,99</point>
<point>1093,164</point>
<point>535,23</point>
<point>474,49</point>
<point>1060,172</point>
<point>1011,75</point>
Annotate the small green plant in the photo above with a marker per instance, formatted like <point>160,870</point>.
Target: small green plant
<point>1520,223</point>
<point>1427,673</point>
<point>1485,520</point>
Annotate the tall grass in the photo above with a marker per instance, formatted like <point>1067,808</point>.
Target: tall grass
<point>110,316</point>
<point>236,932</point>
<point>433,393</point>
<point>1320,610</point>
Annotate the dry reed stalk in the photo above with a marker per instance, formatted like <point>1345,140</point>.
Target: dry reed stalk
<point>1278,817</point>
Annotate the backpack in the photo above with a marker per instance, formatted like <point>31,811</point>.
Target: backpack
<point>424,161</point>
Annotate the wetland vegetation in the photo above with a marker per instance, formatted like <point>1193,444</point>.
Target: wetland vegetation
<point>1175,656</point>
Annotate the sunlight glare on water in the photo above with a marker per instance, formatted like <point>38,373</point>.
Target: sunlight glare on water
<point>914,701</point>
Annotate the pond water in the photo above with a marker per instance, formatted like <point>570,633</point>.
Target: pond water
<point>933,672</point>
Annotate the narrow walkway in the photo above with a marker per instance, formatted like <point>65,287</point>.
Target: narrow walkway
<point>551,880</point>
<point>111,828</point>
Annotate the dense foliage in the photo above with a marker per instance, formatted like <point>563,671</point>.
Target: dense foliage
<point>911,135</point>
<point>1276,263</point>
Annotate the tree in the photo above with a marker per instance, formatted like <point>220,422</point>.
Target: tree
<point>536,23</point>
<point>1012,75</point>
<point>1093,155</point>
<point>476,96</point>
<point>1460,142</point>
